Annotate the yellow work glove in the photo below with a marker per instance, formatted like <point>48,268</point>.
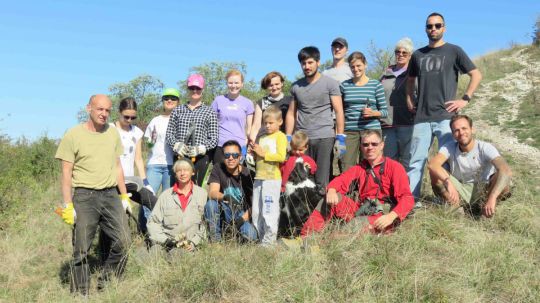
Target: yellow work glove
<point>126,203</point>
<point>68,214</point>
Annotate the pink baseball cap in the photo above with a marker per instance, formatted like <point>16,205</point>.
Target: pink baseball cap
<point>195,80</point>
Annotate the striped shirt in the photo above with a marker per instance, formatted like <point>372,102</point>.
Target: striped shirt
<point>356,98</point>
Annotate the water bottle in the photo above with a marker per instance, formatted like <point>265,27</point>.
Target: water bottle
<point>267,204</point>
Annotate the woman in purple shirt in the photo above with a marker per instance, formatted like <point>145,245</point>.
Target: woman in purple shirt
<point>235,115</point>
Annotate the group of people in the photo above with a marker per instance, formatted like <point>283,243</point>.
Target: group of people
<point>365,141</point>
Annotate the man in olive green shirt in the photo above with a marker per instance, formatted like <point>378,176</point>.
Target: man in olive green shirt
<point>91,167</point>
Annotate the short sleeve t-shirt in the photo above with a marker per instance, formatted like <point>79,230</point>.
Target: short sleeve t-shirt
<point>161,153</point>
<point>474,166</point>
<point>232,116</point>
<point>243,183</point>
<point>129,141</point>
<point>314,106</point>
<point>93,155</point>
<point>437,70</point>
<point>340,73</point>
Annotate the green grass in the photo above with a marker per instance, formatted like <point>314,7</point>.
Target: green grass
<point>435,256</point>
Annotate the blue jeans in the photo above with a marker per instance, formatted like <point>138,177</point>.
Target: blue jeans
<point>422,139</point>
<point>159,176</point>
<point>216,213</point>
<point>397,143</point>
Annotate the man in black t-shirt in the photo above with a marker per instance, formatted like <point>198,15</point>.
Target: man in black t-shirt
<point>436,67</point>
<point>230,191</point>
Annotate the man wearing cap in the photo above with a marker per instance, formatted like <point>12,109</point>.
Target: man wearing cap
<point>90,154</point>
<point>193,130</point>
<point>340,70</point>
<point>435,68</point>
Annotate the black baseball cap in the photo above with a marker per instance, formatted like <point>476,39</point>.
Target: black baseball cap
<point>341,41</point>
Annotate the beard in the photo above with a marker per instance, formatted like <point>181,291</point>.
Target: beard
<point>310,74</point>
<point>435,38</point>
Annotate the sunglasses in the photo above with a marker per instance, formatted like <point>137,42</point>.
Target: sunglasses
<point>170,98</point>
<point>129,117</point>
<point>374,144</point>
<point>194,88</point>
<point>234,155</point>
<point>436,25</point>
<point>401,53</point>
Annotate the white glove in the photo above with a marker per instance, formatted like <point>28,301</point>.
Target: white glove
<point>126,203</point>
<point>181,149</point>
<point>250,160</point>
<point>197,150</point>
<point>147,186</point>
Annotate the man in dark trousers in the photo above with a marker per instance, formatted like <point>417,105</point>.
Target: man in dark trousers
<point>91,167</point>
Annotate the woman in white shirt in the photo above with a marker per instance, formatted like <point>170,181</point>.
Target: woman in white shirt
<point>160,159</point>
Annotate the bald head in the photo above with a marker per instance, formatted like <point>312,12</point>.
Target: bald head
<point>98,109</point>
<point>99,97</point>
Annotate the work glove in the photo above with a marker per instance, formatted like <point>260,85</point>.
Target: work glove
<point>181,149</point>
<point>250,160</point>
<point>68,214</point>
<point>339,145</point>
<point>233,195</point>
<point>147,186</point>
<point>126,203</point>
<point>289,139</point>
<point>197,150</point>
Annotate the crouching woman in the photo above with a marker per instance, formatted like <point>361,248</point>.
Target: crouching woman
<point>177,219</point>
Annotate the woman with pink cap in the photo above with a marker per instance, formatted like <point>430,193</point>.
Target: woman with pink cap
<point>193,130</point>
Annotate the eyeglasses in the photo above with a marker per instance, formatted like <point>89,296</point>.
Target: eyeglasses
<point>374,144</point>
<point>170,98</point>
<point>401,53</point>
<point>194,88</point>
<point>129,117</point>
<point>436,25</point>
<point>234,155</point>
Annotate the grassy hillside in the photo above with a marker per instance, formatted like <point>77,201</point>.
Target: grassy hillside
<point>435,256</point>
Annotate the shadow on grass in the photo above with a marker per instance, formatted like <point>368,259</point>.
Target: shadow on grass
<point>66,269</point>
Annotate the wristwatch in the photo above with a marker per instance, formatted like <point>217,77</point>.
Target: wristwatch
<point>466,98</point>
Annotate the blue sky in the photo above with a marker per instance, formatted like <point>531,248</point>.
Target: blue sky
<point>55,54</point>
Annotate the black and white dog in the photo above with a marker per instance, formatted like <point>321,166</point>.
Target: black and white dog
<point>300,198</point>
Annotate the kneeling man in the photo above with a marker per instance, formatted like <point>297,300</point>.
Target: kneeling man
<point>476,171</point>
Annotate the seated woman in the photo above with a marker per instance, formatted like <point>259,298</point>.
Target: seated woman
<point>177,219</point>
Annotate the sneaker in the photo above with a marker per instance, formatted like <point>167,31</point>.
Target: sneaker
<point>418,205</point>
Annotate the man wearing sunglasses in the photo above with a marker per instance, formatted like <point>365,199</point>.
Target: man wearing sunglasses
<point>361,192</point>
<point>436,67</point>
<point>230,189</point>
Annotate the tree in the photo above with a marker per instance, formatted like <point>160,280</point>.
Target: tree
<point>379,61</point>
<point>215,84</point>
<point>145,89</point>
<point>536,33</point>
